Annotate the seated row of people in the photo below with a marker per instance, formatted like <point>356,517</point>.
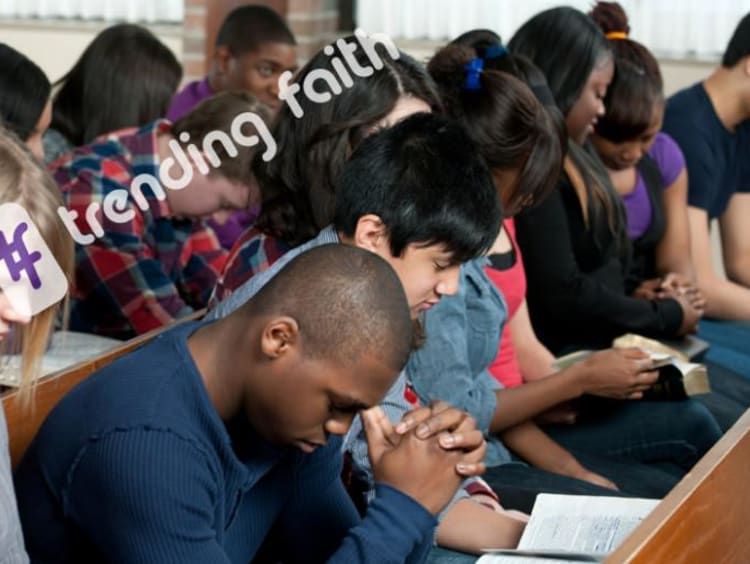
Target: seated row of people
<point>437,201</point>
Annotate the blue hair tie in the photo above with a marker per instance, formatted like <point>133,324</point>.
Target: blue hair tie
<point>473,69</point>
<point>495,52</point>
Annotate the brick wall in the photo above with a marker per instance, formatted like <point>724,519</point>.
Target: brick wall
<point>193,40</point>
<point>314,23</point>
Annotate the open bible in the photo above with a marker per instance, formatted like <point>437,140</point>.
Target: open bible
<point>573,528</point>
<point>678,378</point>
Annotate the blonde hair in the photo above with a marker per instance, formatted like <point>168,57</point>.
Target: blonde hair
<point>24,181</point>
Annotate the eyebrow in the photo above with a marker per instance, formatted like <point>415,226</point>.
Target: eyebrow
<point>348,403</point>
<point>277,64</point>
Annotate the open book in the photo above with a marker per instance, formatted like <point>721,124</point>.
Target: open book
<point>66,349</point>
<point>573,528</point>
<point>678,378</point>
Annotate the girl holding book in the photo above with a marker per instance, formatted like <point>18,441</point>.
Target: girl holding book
<point>452,364</point>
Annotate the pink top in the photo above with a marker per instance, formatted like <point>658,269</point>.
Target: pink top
<point>512,284</point>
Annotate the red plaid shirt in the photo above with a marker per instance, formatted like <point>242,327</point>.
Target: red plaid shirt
<point>143,273</point>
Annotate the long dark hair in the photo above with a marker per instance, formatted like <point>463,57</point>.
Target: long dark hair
<point>637,87</point>
<point>126,77</point>
<point>566,45</point>
<point>297,186</point>
<point>24,92</point>
<point>508,122</point>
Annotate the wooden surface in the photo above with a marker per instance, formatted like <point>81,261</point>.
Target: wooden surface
<point>705,519</point>
<point>23,422</point>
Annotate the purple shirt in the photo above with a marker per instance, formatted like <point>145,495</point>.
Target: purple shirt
<point>670,162</point>
<point>189,97</point>
<point>182,103</point>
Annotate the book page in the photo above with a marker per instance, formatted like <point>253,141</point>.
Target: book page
<point>582,524</point>
<point>695,377</point>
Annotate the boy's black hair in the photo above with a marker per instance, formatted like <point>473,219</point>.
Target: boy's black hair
<point>427,182</point>
<point>24,91</point>
<point>329,290</point>
<point>739,45</point>
<point>246,28</point>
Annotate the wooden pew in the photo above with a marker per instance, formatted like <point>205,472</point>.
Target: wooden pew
<point>705,518</point>
<point>23,423</point>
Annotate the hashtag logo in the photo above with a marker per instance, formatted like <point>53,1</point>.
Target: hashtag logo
<point>30,277</point>
<point>18,258</point>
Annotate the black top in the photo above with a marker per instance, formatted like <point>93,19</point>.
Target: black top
<point>577,293</point>
<point>643,260</point>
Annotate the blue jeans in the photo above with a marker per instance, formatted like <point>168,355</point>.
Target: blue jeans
<point>730,344</point>
<point>669,435</point>
<point>444,556</point>
<point>517,485</point>
<point>730,393</point>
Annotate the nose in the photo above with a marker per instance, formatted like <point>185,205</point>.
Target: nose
<point>449,281</point>
<point>601,109</point>
<point>634,154</point>
<point>339,425</point>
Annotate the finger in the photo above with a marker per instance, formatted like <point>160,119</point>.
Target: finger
<point>412,419</point>
<point>643,365</point>
<point>635,353</point>
<point>467,425</point>
<point>448,420</point>
<point>634,395</point>
<point>464,441</point>
<point>377,443</point>
<point>468,470</point>
<point>417,416</point>
<point>648,378</point>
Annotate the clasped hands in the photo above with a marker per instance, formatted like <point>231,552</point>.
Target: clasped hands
<point>427,454</point>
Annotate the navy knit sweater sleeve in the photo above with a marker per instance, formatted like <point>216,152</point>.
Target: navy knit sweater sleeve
<point>137,507</point>
<point>162,512</point>
<point>320,523</point>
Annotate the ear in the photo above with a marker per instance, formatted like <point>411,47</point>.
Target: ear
<point>371,233</point>
<point>222,58</point>
<point>280,337</point>
<point>746,66</point>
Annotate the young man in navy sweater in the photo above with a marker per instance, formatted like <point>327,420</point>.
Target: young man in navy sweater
<point>220,438</point>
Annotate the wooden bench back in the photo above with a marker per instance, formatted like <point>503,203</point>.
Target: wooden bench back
<point>704,519</point>
<point>23,423</point>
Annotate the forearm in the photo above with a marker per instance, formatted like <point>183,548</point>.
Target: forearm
<point>532,444</point>
<point>470,527</point>
<point>725,299</point>
<point>738,271</point>
<point>515,405</point>
<point>535,363</point>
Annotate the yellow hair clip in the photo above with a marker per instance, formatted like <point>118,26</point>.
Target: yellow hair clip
<point>616,35</point>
